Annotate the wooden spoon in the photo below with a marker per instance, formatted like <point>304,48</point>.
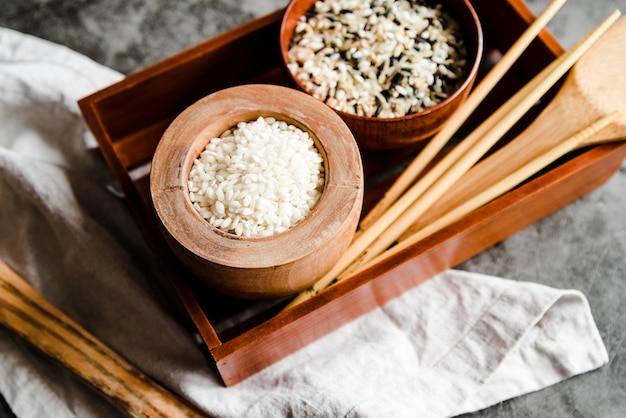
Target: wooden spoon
<point>595,88</point>
<point>593,134</point>
<point>26,312</point>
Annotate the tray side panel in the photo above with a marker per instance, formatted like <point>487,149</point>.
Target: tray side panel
<point>348,300</point>
<point>128,137</point>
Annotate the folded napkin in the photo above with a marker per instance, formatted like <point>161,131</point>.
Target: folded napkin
<point>458,343</point>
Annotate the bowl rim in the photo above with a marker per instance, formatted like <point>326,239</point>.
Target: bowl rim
<point>477,41</point>
<point>187,135</point>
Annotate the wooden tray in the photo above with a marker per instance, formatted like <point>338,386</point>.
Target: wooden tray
<point>242,337</point>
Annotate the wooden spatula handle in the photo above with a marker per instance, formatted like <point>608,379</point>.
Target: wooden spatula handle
<point>29,314</point>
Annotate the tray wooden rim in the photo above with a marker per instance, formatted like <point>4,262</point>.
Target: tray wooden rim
<point>229,355</point>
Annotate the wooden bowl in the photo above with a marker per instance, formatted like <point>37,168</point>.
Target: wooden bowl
<point>268,267</point>
<point>389,133</point>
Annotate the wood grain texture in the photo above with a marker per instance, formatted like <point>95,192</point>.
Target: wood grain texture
<point>240,350</point>
<point>593,89</point>
<point>484,195</point>
<point>27,313</point>
<point>478,143</point>
<point>269,342</point>
<point>460,116</point>
<point>281,264</point>
<point>434,184</point>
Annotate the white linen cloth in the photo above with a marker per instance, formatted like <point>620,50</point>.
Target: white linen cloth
<point>458,343</point>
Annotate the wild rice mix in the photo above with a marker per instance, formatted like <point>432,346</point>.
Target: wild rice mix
<point>258,179</point>
<point>380,58</point>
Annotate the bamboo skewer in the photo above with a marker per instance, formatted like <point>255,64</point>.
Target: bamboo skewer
<point>476,145</point>
<point>392,210</point>
<point>395,220</point>
<point>27,313</point>
<point>595,87</point>
<point>580,139</point>
<point>451,126</point>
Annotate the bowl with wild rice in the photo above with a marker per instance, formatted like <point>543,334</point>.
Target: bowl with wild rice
<point>258,189</point>
<point>393,70</point>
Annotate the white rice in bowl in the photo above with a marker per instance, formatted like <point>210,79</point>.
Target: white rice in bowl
<point>257,179</point>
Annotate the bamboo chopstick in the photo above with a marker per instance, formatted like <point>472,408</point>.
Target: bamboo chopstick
<point>393,204</point>
<point>476,97</point>
<point>502,186</point>
<point>27,313</point>
<point>476,145</point>
<point>395,220</point>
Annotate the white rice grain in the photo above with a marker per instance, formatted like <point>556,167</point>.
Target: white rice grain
<point>260,178</point>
